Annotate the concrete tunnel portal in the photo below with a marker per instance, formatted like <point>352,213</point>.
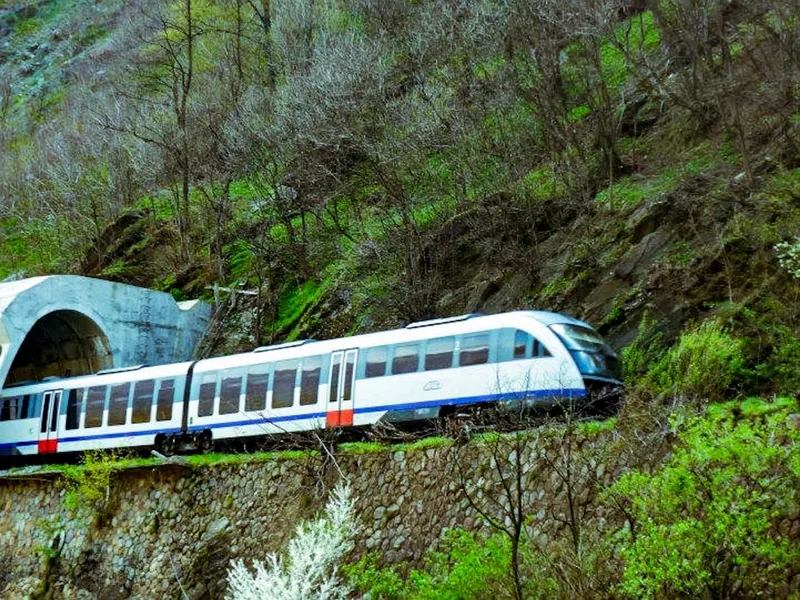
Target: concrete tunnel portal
<point>66,325</point>
<point>63,343</point>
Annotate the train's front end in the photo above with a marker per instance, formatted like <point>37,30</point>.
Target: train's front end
<point>597,362</point>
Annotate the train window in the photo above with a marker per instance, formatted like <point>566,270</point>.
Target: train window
<point>54,414</point>
<point>74,400</point>
<point>208,391</point>
<point>45,409</point>
<point>474,350</point>
<point>349,371</point>
<point>333,384</point>
<point>166,395</point>
<point>95,402</point>
<point>27,408</point>
<point>229,395</point>
<point>539,350</point>
<point>309,380</point>
<point>283,384</point>
<point>440,353</point>
<point>143,401</point>
<point>522,344</point>
<point>118,404</point>
<point>406,359</point>
<point>256,391</point>
<point>376,361</point>
<point>5,409</point>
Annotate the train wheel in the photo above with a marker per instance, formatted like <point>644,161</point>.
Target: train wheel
<point>166,444</point>
<point>203,442</point>
<point>455,426</point>
<point>170,445</point>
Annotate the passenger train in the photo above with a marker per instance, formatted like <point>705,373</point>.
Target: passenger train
<point>424,371</point>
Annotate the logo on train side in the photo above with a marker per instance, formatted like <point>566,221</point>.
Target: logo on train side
<point>434,384</point>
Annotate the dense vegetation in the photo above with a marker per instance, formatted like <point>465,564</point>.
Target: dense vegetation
<point>703,525</point>
<point>364,163</point>
<point>361,164</point>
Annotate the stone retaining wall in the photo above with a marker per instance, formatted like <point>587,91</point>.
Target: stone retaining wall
<point>171,528</point>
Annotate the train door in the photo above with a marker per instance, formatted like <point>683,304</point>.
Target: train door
<point>341,388</point>
<point>48,432</point>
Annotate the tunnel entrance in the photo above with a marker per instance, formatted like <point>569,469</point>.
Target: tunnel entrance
<point>64,343</point>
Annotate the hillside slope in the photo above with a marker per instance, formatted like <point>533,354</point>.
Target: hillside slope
<point>365,164</point>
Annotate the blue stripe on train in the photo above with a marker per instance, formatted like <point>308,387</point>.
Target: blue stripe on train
<point>569,393</point>
<point>101,436</point>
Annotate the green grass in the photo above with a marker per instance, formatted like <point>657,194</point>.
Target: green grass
<point>755,407</point>
<point>377,447</point>
<point>28,27</point>
<point>540,184</point>
<point>362,447</point>
<point>628,192</point>
<point>294,302</point>
<point>436,441</point>
<point>220,458</point>
<point>595,428</point>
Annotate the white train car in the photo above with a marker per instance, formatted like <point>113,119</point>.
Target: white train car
<point>420,372</point>
<point>117,408</point>
<point>406,374</point>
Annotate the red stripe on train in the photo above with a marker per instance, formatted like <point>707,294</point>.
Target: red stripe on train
<point>48,446</point>
<point>339,418</point>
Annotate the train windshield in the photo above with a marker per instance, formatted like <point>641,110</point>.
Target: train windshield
<point>576,337</point>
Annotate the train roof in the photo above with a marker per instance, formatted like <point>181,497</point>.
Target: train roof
<point>545,317</point>
<point>415,332</point>
<point>108,377</point>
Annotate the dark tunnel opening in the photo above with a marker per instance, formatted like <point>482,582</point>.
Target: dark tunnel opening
<point>64,343</point>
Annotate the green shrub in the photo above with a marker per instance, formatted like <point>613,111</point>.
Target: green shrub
<point>646,350</point>
<point>705,363</point>
<point>465,566</point>
<point>88,485</point>
<point>705,522</point>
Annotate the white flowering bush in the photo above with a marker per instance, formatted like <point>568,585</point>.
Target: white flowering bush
<point>789,256</point>
<point>310,568</point>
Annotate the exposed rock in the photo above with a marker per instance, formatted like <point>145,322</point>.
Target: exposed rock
<point>641,256</point>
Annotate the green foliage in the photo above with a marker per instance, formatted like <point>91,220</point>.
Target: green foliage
<point>361,447</point>
<point>465,566</point>
<point>629,191</point>
<point>705,363</point>
<point>595,428</point>
<point>118,268</point>
<point>638,35</point>
<point>294,302</point>
<point>374,447</point>
<point>220,458</point>
<point>436,441</point>
<point>88,485</point>
<point>36,245</point>
<point>679,254</point>
<point>541,184</point>
<point>647,349</point>
<point>28,27</point>
<point>554,288</point>
<point>241,256</point>
<point>706,521</point>
<point>784,185</point>
<point>771,345</point>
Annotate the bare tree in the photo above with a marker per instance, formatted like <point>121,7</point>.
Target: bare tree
<point>162,99</point>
